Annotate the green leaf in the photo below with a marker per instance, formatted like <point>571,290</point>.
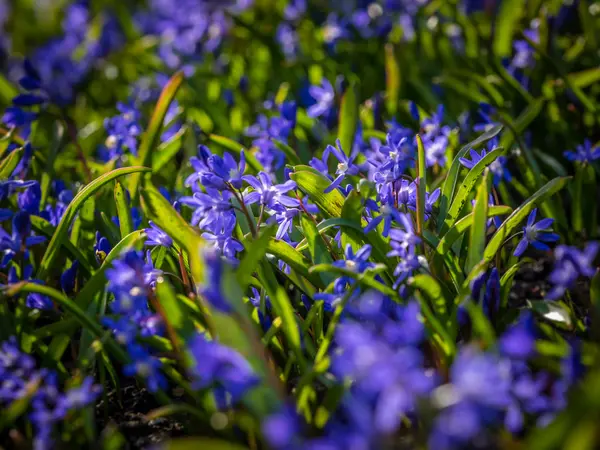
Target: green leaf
<point>293,258</point>
<point>316,246</point>
<point>393,80</point>
<point>421,185</point>
<point>282,307</point>
<point>507,227</point>
<point>348,120</point>
<point>195,443</point>
<point>79,314</point>
<point>62,229</point>
<point>8,164</point>
<point>479,228</point>
<point>255,252</point>
<point>45,228</point>
<point>507,21</point>
<point>173,312</point>
<point>237,149</point>
<point>507,279</point>
<point>290,154</point>
<point>151,137</point>
<point>167,151</point>
<point>313,184</point>
<point>551,311</point>
<point>352,212</point>
<point>462,196</point>
<point>123,210</point>
<point>452,176</point>
<point>459,228</point>
<point>160,211</point>
<point>332,223</point>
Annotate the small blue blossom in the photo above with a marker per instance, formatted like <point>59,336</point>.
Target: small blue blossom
<point>345,167</point>
<point>157,237</point>
<point>536,234</point>
<point>324,96</point>
<point>584,153</point>
<point>570,264</point>
<point>270,195</point>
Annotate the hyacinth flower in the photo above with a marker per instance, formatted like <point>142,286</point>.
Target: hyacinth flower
<point>570,264</point>
<point>404,241</point>
<point>156,236</point>
<point>387,214</point>
<point>212,207</point>
<point>345,166</point>
<point>269,195</point>
<point>222,367</point>
<point>584,153</point>
<point>19,239</point>
<point>536,234</point>
<point>223,241</point>
<point>324,96</point>
<point>518,341</point>
<point>7,187</point>
<point>216,172</point>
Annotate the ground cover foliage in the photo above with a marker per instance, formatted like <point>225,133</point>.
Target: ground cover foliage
<point>263,224</point>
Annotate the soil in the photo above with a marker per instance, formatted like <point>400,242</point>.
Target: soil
<point>128,416</point>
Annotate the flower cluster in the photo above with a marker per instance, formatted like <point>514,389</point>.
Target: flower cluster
<point>20,379</point>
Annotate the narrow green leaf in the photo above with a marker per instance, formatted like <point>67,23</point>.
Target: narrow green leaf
<point>479,227</point>
<point>62,229</point>
<point>507,227</point>
<point>290,153</point>
<point>283,308</point>
<point>8,164</point>
<point>42,226</point>
<point>123,210</point>
<point>393,80</point>
<point>313,184</point>
<point>151,137</point>
<point>507,21</point>
<point>316,246</point>
<point>167,151</point>
<point>160,211</point>
<point>421,185</point>
<point>462,196</point>
<point>348,120</point>
<point>459,228</point>
<point>452,176</point>
<point>293,258</point>
<point>173,312</point>
<point>194,443</point>
<point>507,279</point>
<point>255,252</point>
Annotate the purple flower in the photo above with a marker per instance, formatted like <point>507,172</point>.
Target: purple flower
<point>584,153</point>
<point>157,237</point>
<point>123,131</point>
<point>69,278</point>
<point>387,214</point>
<point>146,366</point>
<point>212,208</point>
<point>19,239</point>
<point>216,364</point>
<point>345,166</point>
<point>518,341</point>
<point>269,195</point>
<point>324,96</point>
<point>569,265</point>
<point>223,241</point>
<point>536,234</point>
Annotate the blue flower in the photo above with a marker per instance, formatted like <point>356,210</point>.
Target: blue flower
<point>584,153</point>
<point>403,241</point>
<point>324,96</point>
<point>146,366</point>
<point>519,340</point>
<point>123,131</point>
<point>212,208</point>
<point>536,234</point>
<point>216,364</point>
<point>269,195</point>
<point>387,214</point>
<point>569,265</point>
<point>69,277</point>
<point>19,239</point>
<point>345,166</point>
<point>8,186</point>
<point>223,240</point>
<point>157,237</point>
